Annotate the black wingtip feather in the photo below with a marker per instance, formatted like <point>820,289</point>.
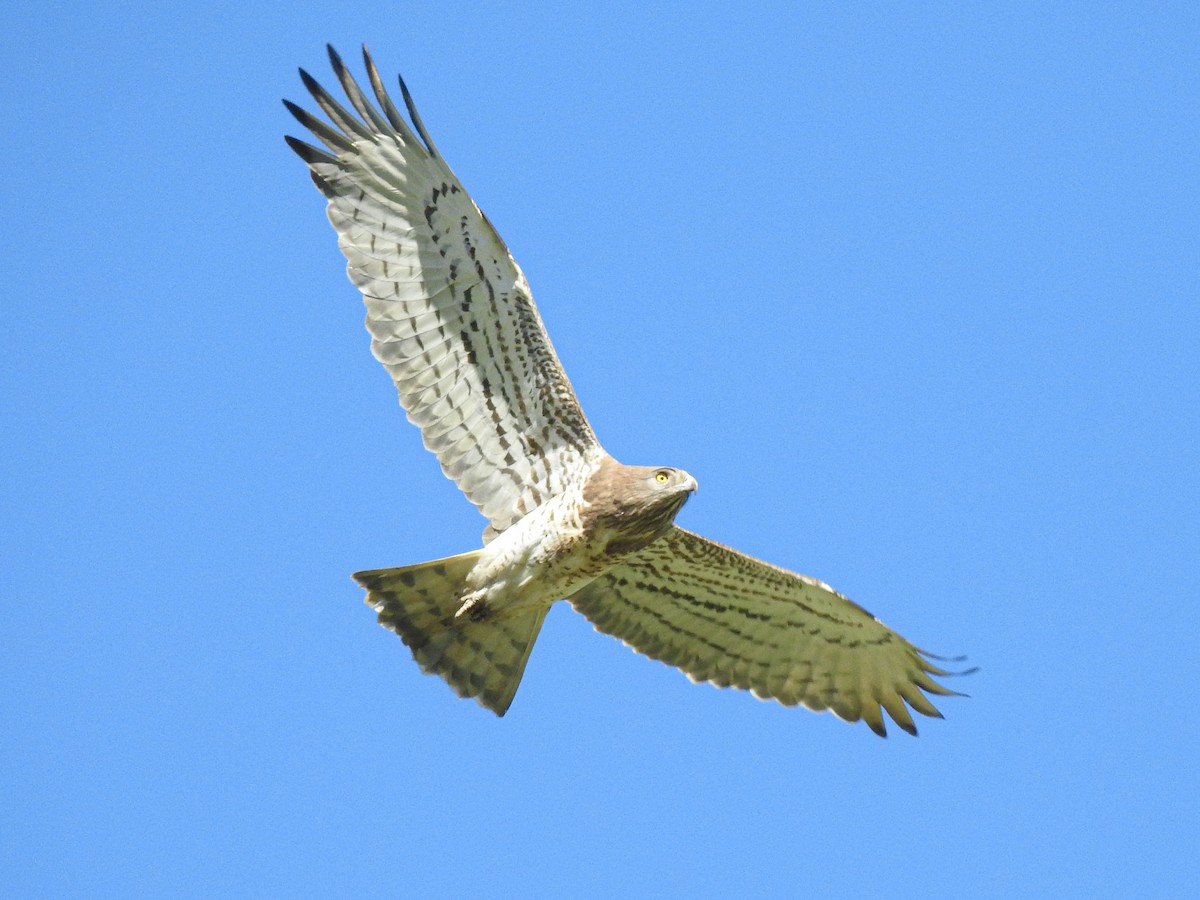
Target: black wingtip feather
<point>338,114</point>
<point>297,111</point>
<point>330,137</point>
<point>308,152</point>
<point>310,83</point>
<point>364,107</point>
<point>416,119</point>
<point>949,659</point>
<point>385,102</point>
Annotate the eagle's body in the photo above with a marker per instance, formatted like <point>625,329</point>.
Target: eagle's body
<point>452,320</point>
<point>564,544</point>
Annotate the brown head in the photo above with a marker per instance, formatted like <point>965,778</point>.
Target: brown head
<point>638,503</point>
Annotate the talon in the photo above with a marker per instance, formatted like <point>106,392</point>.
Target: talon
<point>473,608</point>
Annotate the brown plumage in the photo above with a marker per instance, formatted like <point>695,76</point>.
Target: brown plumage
<point>630,502</point>
<point>453,321</point>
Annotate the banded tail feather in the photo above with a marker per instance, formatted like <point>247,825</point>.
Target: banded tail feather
<point>484,660</point>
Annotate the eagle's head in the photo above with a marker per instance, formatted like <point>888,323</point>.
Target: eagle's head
<point>635,505</point>
<point>664,484</point>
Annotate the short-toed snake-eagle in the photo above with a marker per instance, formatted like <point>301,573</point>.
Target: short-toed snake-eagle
<point>452,319</point>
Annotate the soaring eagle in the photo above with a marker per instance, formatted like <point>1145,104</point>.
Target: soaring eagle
<point>453,321</point>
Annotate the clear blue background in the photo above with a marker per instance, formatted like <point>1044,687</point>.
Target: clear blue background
<point>911,289</point>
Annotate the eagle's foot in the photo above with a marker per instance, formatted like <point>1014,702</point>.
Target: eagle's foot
<point>474,608</point>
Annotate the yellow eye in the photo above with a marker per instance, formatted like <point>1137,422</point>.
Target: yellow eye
<point>662,477</point>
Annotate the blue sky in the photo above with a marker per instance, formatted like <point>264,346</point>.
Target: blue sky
<point>911,291</point>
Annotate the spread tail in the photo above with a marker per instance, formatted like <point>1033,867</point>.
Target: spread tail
<point>483,659</point>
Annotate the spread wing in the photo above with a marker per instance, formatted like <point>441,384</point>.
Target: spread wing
<point>725,617</point>
<point>449,311</point>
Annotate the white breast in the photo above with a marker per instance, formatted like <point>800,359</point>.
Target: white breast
<point>545,556</point>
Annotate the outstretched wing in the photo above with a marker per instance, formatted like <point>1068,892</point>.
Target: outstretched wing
<point>449,311</point>
<point>725,617</point>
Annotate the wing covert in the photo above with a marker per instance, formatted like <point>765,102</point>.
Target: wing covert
<point>725,617</point>
<point>450,313</point>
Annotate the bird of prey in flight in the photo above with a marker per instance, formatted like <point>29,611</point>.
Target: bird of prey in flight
<point>452,319</point>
